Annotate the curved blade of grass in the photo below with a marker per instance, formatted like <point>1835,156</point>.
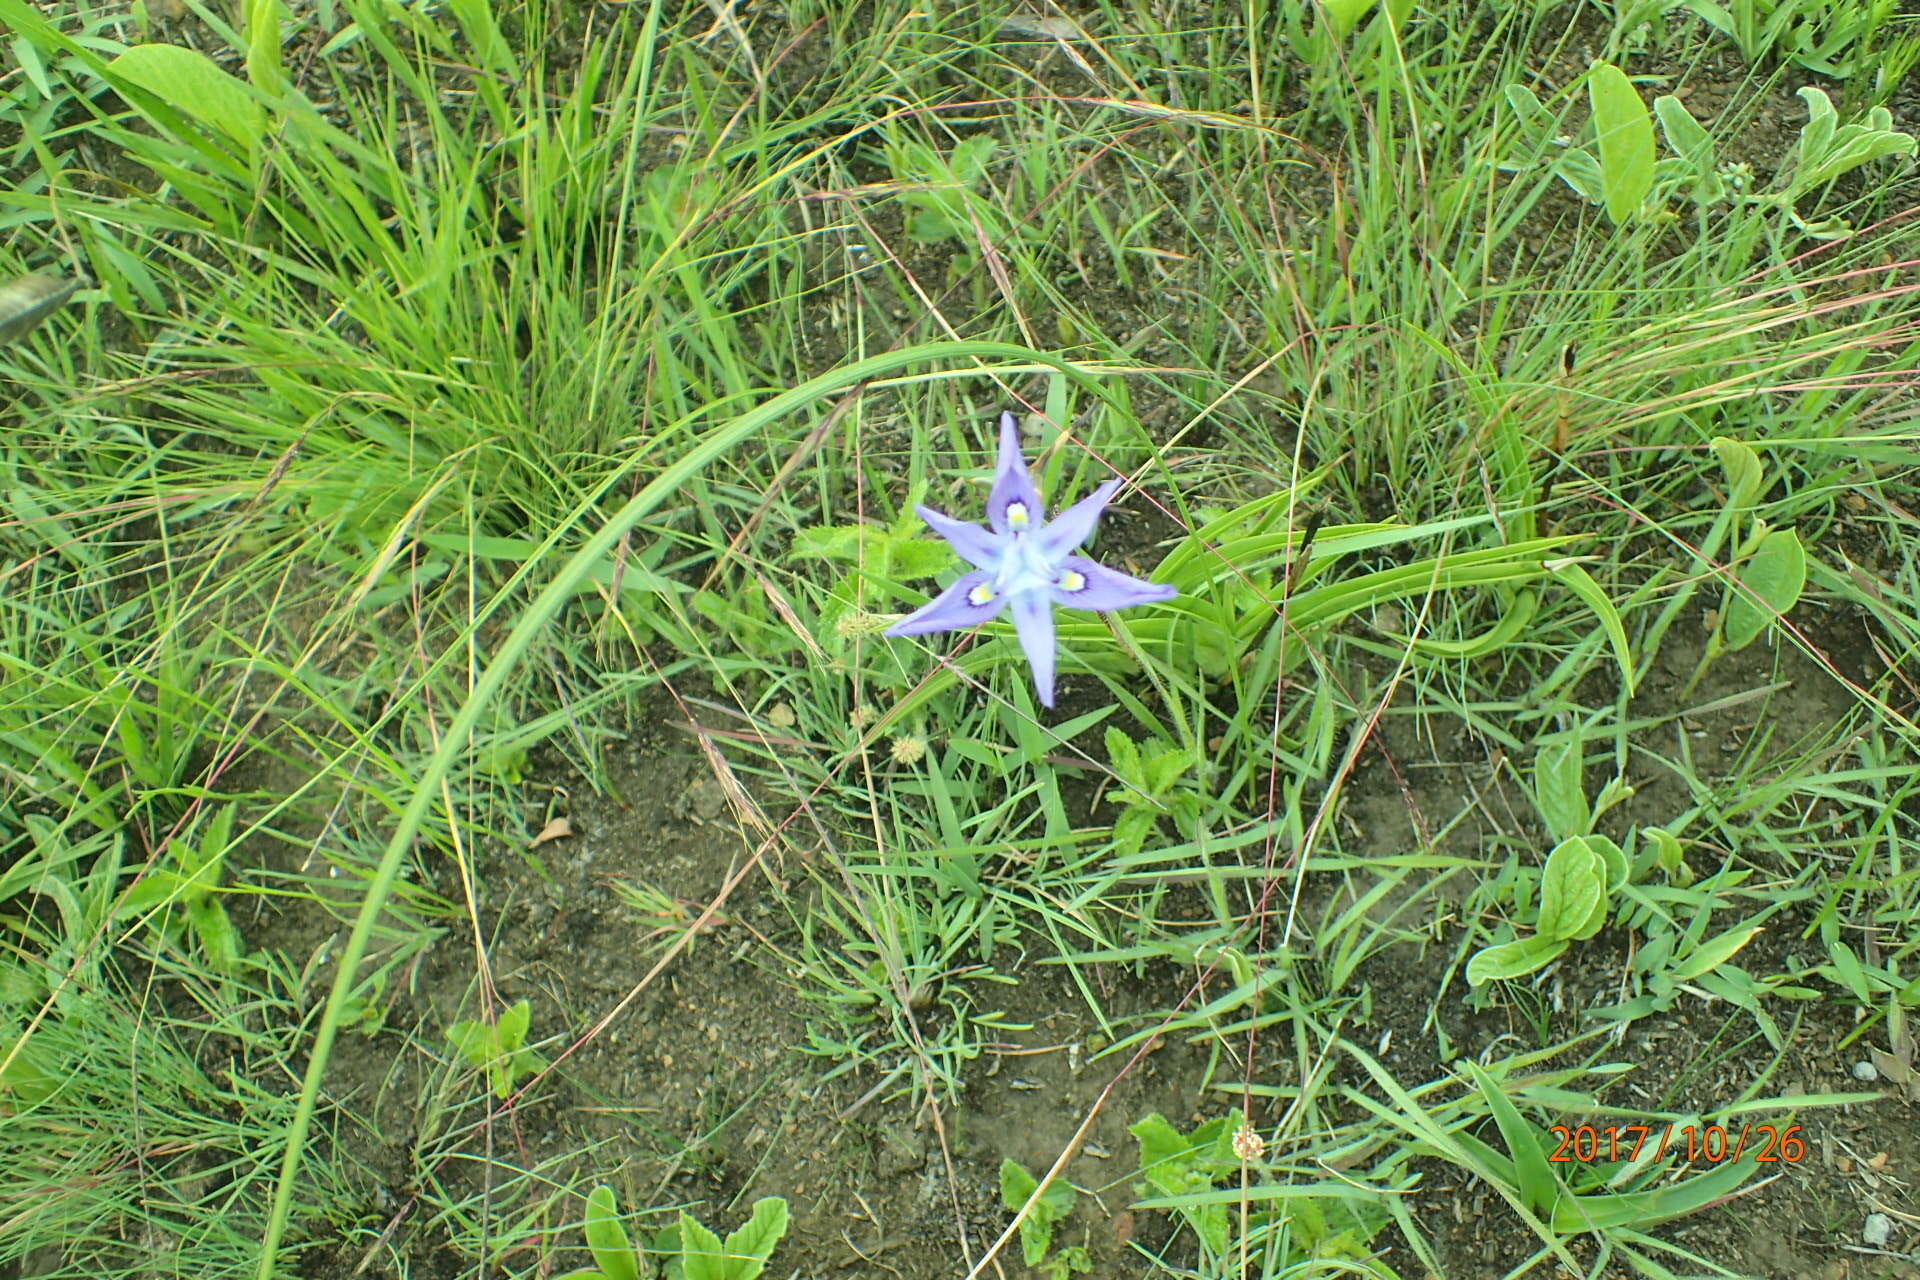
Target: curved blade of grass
<point>1519,613</point>
<point>1537,1181</point>
<point>1581,583</point>
<point>1647,1208</point>
<point>712,444</point>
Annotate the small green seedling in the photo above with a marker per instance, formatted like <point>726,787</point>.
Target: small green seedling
<point>692,1252</point>
<point>1017,1186</point>
<point>1152,786</point>
<point>181,892</point>
<point>1184,1169</point>
<point>499,1048</point>
<point>1576,890</point>
<point>1181,1164</point>
<point>685,1250</point>
<point>1622,171</point>
<point>877,557</point>
<point>938,188</point>
<point>614,1257</point>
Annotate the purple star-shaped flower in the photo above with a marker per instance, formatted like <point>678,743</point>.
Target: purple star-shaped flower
<point>1025,562</point>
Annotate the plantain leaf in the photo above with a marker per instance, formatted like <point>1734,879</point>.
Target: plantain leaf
<point>607,1239</point>
<point>1572,888</point>
<point>188,80</point>
<point>1776,573</point>
<point>1624,138</point>
<point>1559,791</point>
<point>1513,959</point>
<point>1742,466</point>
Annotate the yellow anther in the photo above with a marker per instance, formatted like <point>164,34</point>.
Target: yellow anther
<point>980,595</point>
<point>1072,580</point>
<point>1016,515</point>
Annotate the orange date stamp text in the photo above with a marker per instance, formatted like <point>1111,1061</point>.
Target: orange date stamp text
<point>1700,1143</point>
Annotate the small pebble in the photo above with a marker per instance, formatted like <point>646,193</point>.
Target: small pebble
<point>1865,1072</point>
<point>1876,1231</point>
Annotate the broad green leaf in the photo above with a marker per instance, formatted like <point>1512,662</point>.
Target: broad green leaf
<point>1163,1150</point>
<point>1686,136</point>
<point>1036,1229</point>
<point>607,1239</point>
<point>750,1245</point>
<point>1851,974</point>
<point>1123,756</point>
<point>1693,144</point>
<point>1171,1161</point>
<point>1613,858</point>
<point>1624,138</point>
<point>1513,959</point>
<point>1579,170</point>
<point>1132,827</point>
<point>1776,573</point>
<point>216,932</point>
<point>1572,886</point>
<point>514,1021</point>
<point>24,1075</point>
<point>189,81</point>
<point>1816,135</point>
<point>971,158</point>
<point>1742,466</point>
<point>1710,955</point>
<point>1667,854</point>
<point>1058,1199</point>
<point>702,1255</point>
<point>1016,1184</point>
<point>1165,769</point>
<point>834,541</point>
<point>264,67</point>
<point>157,886</point>
<point>1527,106</point>
<point>1559,788</point>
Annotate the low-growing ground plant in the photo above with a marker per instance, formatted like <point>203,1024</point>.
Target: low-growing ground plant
<point>686,1250</point>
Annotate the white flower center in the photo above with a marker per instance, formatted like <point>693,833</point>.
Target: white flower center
<point>980,596</point>
<point>1017,518</point>
<point>1073,580</point>
<point>1023,566</point>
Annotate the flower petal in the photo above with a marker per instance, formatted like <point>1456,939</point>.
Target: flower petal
<point>976,546</point>
<point>1070,528</point>
<point>1033,620</point>
<point>1082,584</point>
<point>1014,504</point>
<point>955,608</point>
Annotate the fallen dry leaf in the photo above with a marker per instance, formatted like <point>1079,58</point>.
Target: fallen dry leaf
<point>556,829</point>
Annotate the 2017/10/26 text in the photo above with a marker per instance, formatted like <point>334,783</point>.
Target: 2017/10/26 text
<point>1711,1143</point>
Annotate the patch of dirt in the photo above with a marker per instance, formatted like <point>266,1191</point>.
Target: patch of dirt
<point>691,1089</point>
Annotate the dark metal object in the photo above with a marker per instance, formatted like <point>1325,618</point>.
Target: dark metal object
<point>27,300</point>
